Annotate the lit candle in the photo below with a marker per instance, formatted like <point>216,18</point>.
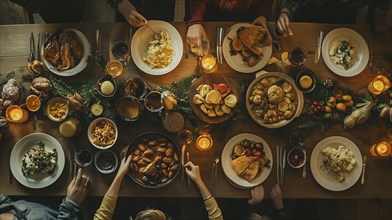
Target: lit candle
<point>379,85</point>
<point>14,113</point>
<point>208,62</point>
<point>382,149</point>
<point>204,142</point>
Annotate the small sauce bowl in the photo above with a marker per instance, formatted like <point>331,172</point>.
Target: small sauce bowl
<point>105,161</point>
<point>106,81</point>
<point>296,158</point>
<point>306,81</point>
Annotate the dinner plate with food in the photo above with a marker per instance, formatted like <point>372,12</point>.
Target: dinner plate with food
<point>247,47</point>
<point>212,99</point>
<point>155,160</point>
<point>37,160</point>
<point>336,163</point>
<point>66,52</point>
<point>157,55</point>
<point>345,52</point>
<point>246,160</point>
<point>273,100</point>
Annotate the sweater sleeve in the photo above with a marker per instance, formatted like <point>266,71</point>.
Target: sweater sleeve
<point>214,212</point>
<point>68,210</point>
<point>197,8</point>
<point>106,210</point>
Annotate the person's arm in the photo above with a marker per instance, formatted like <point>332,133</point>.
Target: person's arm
<point>197,8</point>
<point>214,212</point>
<point>108,204</point>
<point>277,198</point>
<point>76,193</point>
<point>128,10</point>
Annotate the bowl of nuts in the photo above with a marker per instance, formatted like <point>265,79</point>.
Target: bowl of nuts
<point>102,133</point>
<point>57,109</point>
<point>155,160</point>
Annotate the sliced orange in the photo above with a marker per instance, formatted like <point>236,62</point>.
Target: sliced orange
<point>33,103</point>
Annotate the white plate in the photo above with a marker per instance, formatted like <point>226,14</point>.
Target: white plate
<point>228,169</point>
<point>140,43</point>
<point>19,150</point>
<point>235,61</point>
<point>328,180</point>
<point>83,62</point>
<point>355,40</point>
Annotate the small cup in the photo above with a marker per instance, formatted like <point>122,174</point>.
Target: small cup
<point>135,87</point>
<point>105,161</point>
<point>208,63</point>
<point>129,108</point>
<point>152,101</point>
<point>120,50</point>
<point>296,139</point>
<point>297,56</point>
<point>106,81</point>
<point>296,158</point>
<point>83,158</point>
<point>114,68</point>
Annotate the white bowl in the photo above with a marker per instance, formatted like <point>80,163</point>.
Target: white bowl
<point>83,62</point>
<point>140,44</point>
<point>90,128</point>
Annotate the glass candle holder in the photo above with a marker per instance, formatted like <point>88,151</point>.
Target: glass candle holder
<point>204,142</point>
<point>382,149</point>
<point>379,85</point>
<point>114,68</point>
<point>208,63</point>
<point>15,113</point>
<point>298,56</point>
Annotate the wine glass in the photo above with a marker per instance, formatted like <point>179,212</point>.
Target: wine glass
<point>185,137</point>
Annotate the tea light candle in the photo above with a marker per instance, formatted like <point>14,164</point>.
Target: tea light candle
<point>204,142</point>
<point>14,113</point>
<point>379,85</point>
<point>382,149</point>
<point>208,63</point>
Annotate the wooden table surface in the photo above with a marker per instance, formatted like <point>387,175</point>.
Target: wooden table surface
<point>14,48</point>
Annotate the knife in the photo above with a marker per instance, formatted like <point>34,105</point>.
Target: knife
<point>277,165</point>
<point>99,59</point>
<point>32,46</point>
<point>283,166</point>
<point>219,39</point>
<point>318,51</point>
<point>39,47</point>
<point>188,181</point>
<point>363,169</point>
<point>183,162</point>
<point>304,168</point>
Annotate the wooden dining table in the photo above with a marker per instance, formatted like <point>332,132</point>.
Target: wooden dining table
<point>14,49</point>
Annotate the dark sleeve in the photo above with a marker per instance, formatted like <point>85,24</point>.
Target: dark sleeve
<point>281,214</point>
<point>197,8</point>
<point>69,210</point>
<point>290,6</point>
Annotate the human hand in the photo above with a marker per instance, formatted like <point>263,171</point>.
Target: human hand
<point>129,12</point>
<point>257,193</point>
<point>78,188</point>
<point>124,166</point>
<point>261,20</point>
<point>196,37</point>
<point>193,172</point>
<point>283,24</point>
<point>277,197</point>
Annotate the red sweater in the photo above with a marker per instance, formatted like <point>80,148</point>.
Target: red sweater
<point>197,8</point>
